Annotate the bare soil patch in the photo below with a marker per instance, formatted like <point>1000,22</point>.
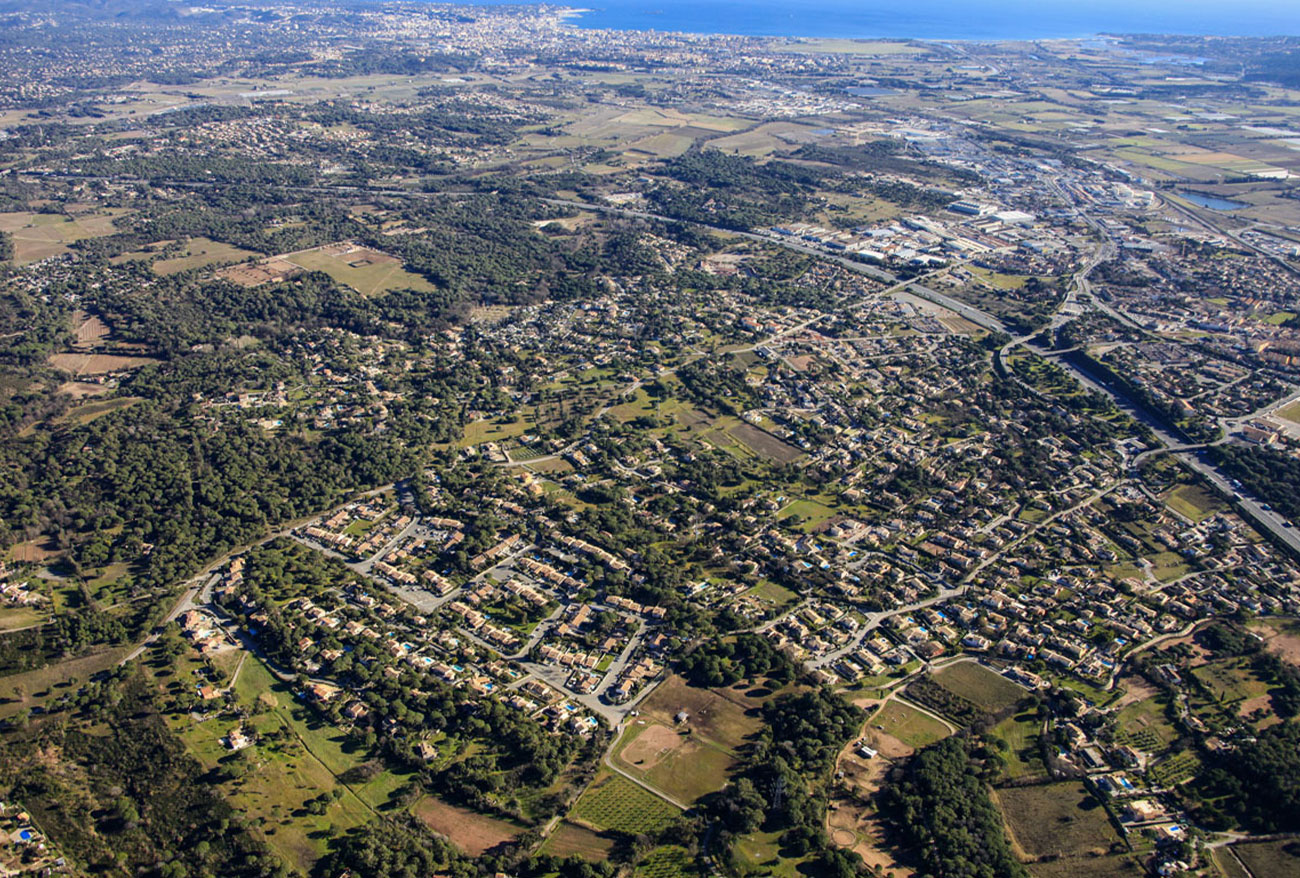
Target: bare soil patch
<point>1285,645</point>
<point>40,549</point>
<point>708,713</point>
<point>651,746</point>
<point>470,831</point>
<point>266,271</point>
<point>97,364</point>
<point>1135,689</point>
<point>853,823</point>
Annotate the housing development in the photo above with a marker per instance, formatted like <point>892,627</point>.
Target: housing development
<point>444,440</point>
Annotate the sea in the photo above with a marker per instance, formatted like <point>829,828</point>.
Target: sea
<point>944,19</point>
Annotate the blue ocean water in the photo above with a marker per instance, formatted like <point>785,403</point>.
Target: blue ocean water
<point>945,19</point>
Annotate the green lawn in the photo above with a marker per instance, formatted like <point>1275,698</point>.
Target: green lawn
<point>1021,735</point>
<point>909,725</point>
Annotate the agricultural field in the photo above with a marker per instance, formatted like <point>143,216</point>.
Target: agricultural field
<point>765,139</point>
<point>984,688</point>
<point>667,862</point>
<point>571,840</point>
<point>38,236</point>
<point>1058,820</point>
<point>614,802</point>
<point>1175,769</point>
<point>1228,864</point>
<point>764,444</point>
<point>98,364</point>
<point>851,47</point>
<point>1143,725</point>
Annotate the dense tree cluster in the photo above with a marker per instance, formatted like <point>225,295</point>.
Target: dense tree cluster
<point>720,662</point>
<point>1257,784</point>
<point>945,814</point>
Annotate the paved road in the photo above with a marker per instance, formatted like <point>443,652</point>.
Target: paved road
<point>874,620</point>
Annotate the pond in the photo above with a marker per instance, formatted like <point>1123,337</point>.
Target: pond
<point>1213,202</point>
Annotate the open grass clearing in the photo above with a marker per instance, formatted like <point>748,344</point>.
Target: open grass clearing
<point>13,618</point>
<point>712,714</point>
<point>1271,859</point>
<point>1055,820</point>
<point>493,430</point>
<point>87,412</point>
<point>367,271</point>
<point>1110,866</point>
<point>810,514</point>
<point>760,852</point>
<point>29,689</point>
<point>692,771</point>
<point>275,778</point>
<point>897,730</point>
<point>1230,681</point>
<point>1021,735</point>
<point>977,684</point>
<point>200,252</point>
<point>1194,502</point>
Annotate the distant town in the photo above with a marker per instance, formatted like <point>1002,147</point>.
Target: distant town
<point>443,440</point>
